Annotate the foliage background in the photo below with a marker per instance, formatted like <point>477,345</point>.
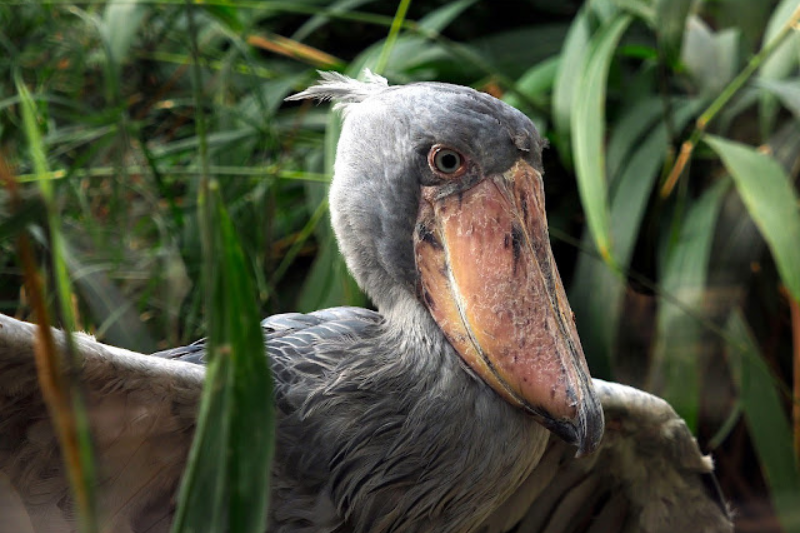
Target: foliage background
<point>687,288</point>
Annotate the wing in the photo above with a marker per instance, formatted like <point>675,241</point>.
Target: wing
<point>141,411</point>
<point>649,476</point>
<point>142,414</point>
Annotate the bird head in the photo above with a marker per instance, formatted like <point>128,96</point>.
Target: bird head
<point>438,194</point>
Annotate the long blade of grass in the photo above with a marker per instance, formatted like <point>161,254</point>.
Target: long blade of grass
<point>56,373</point>
<point>588,129</point>
<point>394,31</point>
<point>679,346</point>
<point>226,483</point>
<point>771,201</point>
<point>767,421</point>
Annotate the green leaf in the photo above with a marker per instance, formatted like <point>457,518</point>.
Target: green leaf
<point>438,20</point>
<point>72,431</point>
<point>642,9</point>
<point>679,346</point>
<point>320,19</point>
<point>711,58</point>
<point>535,83</point>
<point>588,129</point>
<point>226,13</point>
<point>121,20</point>
<point>226,484</point>
<point>787,91</point>
<point>670,17</point>
<point>771,201</point>
<point>598,290</point>
<point>781,62</point>
<point>639,119</point>
<point>766,419</point>
<point>566,82</point>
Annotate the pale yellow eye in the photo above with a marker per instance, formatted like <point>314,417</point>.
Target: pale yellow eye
<point>447,161</point>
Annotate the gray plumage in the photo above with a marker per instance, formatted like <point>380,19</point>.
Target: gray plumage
<point>381,425</point>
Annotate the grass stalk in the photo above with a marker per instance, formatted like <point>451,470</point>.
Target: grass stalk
<point>687,148</point>
<point>57,372</point>
<point>391,39</point>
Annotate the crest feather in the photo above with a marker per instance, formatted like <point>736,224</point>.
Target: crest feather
<point>343,90</point>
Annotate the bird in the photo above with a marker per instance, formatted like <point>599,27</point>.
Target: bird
<point>463,403</point>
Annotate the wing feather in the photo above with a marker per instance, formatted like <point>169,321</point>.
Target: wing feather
<point>142,412</point>
<point>648,476</point>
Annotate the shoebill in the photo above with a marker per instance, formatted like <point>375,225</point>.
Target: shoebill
<point>463,404</point>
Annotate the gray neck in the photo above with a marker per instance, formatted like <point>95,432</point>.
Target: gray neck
<point>431,419</point>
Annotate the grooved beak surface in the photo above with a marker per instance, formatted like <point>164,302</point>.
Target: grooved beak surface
<point>489,280</point>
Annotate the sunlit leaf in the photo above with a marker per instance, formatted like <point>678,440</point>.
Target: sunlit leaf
<point>121,22</point>
<point>781,62</point>
<point>711,58</point>
<point>535,84</point>
<point>786,57</point>
<point>764,412</point>
<point>567,79</point>
<point>771,201</point>
<point>588,130</point>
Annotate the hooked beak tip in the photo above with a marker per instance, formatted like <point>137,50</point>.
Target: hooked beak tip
<point>585,431</point>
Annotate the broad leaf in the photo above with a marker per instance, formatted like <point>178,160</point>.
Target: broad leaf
<point>771,201</point>
<point>679,346</point>
<point>670,20</point>
<point>588,129</point>
<point>760,398</point>
<point>781,62</point>
<point>566,82</point>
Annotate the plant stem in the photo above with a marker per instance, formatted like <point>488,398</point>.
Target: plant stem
<point>394,30</point>
<point>724,97</point>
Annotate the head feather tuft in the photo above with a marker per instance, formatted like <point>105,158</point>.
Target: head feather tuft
<point>343,90</point>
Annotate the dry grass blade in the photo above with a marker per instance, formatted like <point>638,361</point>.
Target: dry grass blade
<point>295,50</point>
<point>59,393</point>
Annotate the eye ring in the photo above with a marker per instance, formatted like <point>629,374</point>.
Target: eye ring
<point>446,162</point>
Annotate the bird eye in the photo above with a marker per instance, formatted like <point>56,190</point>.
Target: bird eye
<point>446,161</point>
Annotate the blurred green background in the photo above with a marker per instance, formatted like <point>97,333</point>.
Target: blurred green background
<point>685,283</point>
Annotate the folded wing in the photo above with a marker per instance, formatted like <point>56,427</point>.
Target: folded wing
<point>648,476</point>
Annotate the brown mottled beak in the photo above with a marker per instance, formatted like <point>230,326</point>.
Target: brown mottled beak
<point>489,280</point>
